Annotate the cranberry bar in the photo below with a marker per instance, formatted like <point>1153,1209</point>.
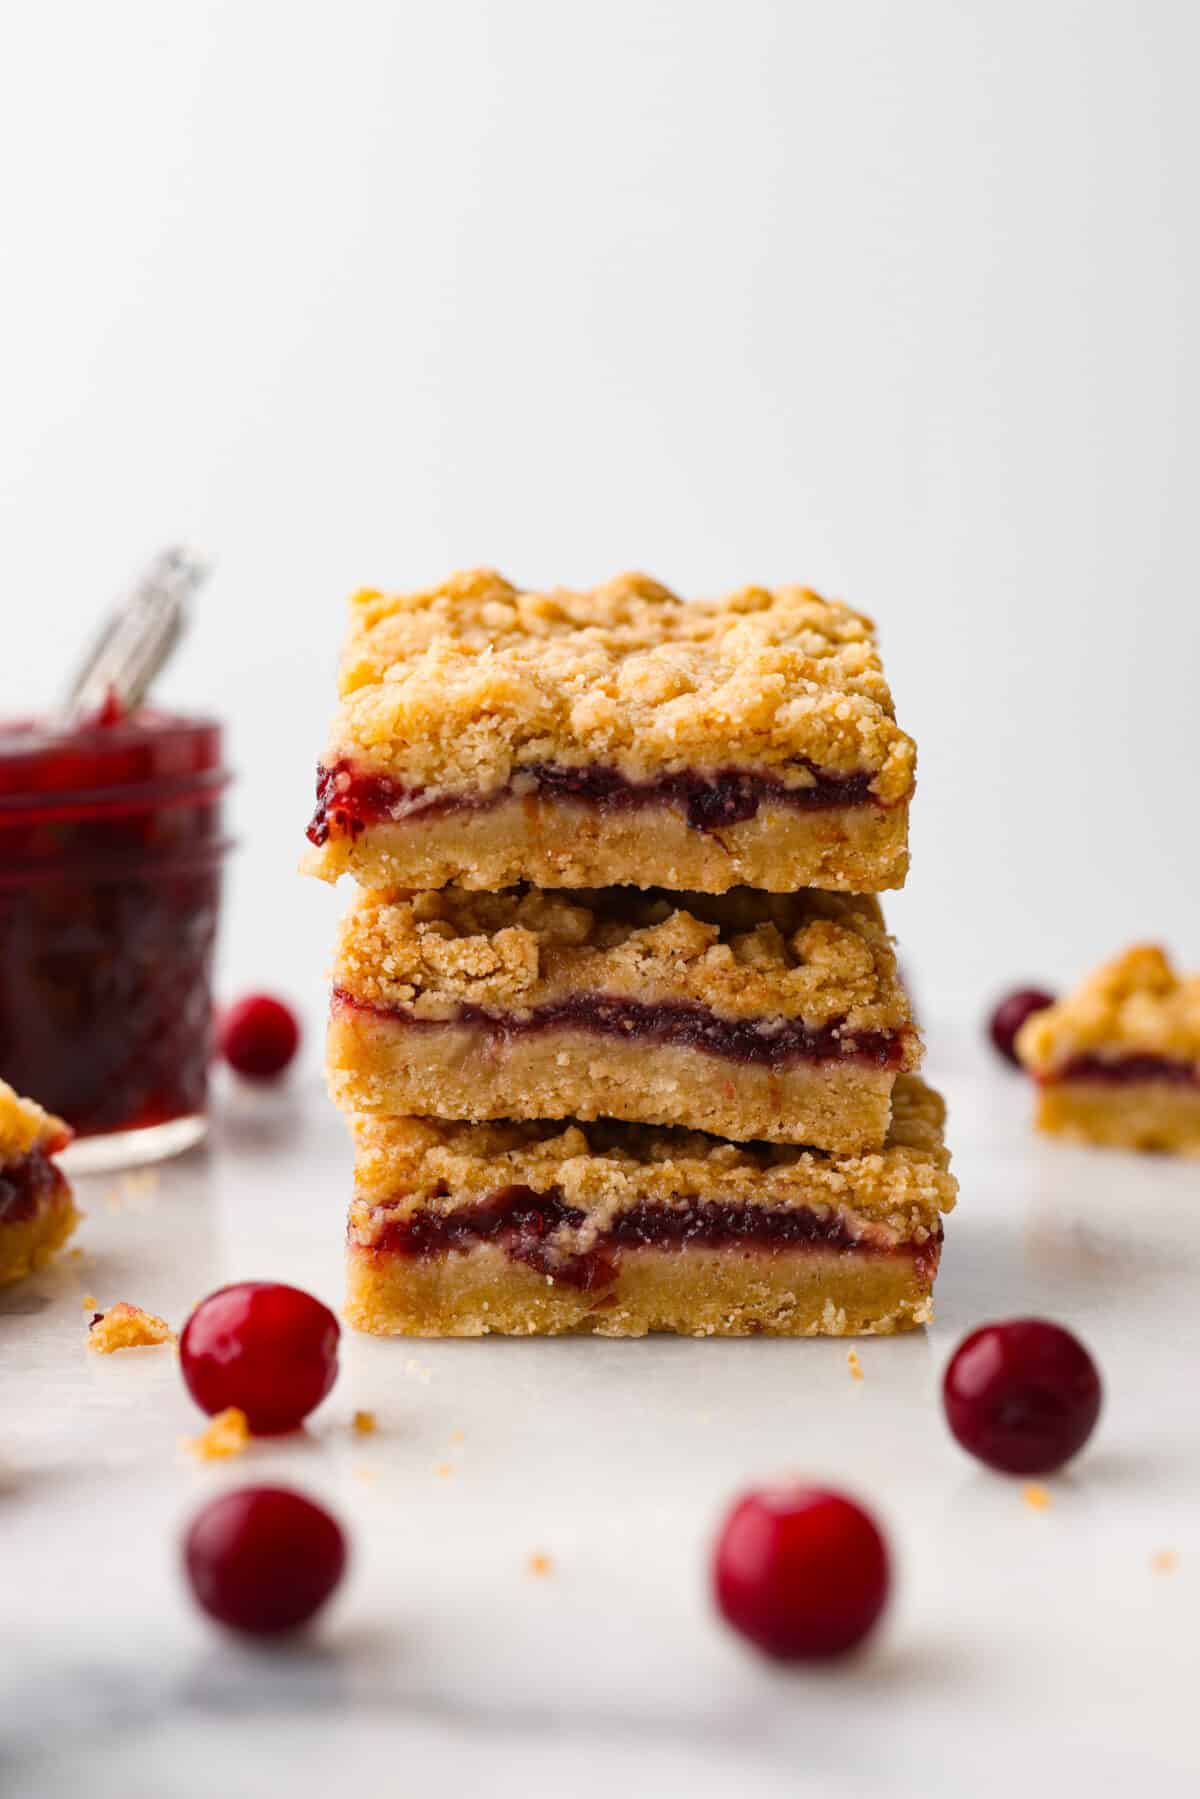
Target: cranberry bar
<point>1118,1062</point>
<point>623,736</point>
<point>619,1229</point>
<point>37,1212</point>
<point>747,1014</point>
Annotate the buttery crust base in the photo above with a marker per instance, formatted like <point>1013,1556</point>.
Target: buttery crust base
<point>1150,1115</point>
<point>29,1243</point>
<point>378,1064</point>
<point>695,1292</point>
<point>556,843</point>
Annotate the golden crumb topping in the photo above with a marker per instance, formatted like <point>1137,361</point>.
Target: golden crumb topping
<point>127,1327</point>
<point>226,1434</point>
<point>457,688</point>
<point>24,1127</point>
<point>821,958</point>
<point>1135,1005</point>
<point>602,1169</point>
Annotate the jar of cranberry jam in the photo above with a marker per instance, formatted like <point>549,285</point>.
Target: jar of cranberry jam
<point>111,847</point>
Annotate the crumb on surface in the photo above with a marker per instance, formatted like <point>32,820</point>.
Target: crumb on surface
<point>127,1327</point>
<point>539,1564</point>
<point>364,1424</point>
<point>1164,1561</point>
<point>854,1365</point>
<point>89,1302</point>
<point>458,1436</point>
<point>443,1469</point>
<point>226,1434</point>
<point>1036,1497</point>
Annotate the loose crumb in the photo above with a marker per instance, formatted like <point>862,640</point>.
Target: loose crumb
<point>458,1436</point>
<point>127,1327</point>
<point>227,1434</point>
<point>854,1365</point>
<point>1035,1497</point>
<point>75,1255</point>
<point>539,1564</point>
<point>364,1424</point>
<point>89,1302</point>
<point>1164,1561</point>
<point>443,1469</point>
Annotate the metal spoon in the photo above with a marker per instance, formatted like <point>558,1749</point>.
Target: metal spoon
<point>135,640</point>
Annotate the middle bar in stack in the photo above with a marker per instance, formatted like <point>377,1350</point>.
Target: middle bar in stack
<point>745,1014</point>
<point>615,1012</point>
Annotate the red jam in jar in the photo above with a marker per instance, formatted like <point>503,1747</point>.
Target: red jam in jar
<point>111,849</point>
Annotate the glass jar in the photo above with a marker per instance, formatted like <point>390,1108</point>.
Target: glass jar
<point>111,851</point>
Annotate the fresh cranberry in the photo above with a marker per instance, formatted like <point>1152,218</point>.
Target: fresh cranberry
<point>802,1572</point>
<point>267,1348</point>
<point>263,1560</point>
<point>258,1037</point>
<point>1023,1396</point>
<point>1011,1014</point>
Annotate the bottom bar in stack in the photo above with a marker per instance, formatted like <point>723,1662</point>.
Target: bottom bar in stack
<point>618,1229</point>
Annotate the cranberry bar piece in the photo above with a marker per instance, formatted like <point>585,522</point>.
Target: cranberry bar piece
<point>620,1229</point>
<point>623,736</point>
<point>746,1014</point>
<point>1118,1062</point>
<point>37,1211</point>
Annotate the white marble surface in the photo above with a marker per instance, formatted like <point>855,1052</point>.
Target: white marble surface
<point>1031,1652</point>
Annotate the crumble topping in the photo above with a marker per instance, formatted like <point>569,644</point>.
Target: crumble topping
<point>817,957</point>
<point>1135,1005</point>
<point>457,687</point>
<point>227,1434</point>
<point>603,1169</point>
<point>24,1127</point>
<point>127,1327</point>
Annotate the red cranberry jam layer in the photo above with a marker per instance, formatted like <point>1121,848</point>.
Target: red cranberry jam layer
<point>1125,1071</point>
<point>746,1014</point>
<point>658,1225</point>
<point>620,734</point>
<point>37,1212</point>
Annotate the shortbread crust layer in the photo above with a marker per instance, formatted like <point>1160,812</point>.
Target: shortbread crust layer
<point>1149,1114</point>
<point>692,1292</point>
<point>622,1229</point>
<point>560,843</point>
<point>746,1015</point>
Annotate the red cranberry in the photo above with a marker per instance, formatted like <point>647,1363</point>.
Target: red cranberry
<point>270,1349</point>
<point>1011,1014</point>
<point>1023,1396</point>
<point>802,1572</point>
<point>263,1559</point>
<point>258,1037</point>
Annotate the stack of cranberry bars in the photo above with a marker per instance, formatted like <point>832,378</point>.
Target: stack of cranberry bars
<point>615,1018</point>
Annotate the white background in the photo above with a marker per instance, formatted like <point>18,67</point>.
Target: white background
<point>895,299</point>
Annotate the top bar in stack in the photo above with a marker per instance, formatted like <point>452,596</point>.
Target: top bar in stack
<point>488,736</point>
